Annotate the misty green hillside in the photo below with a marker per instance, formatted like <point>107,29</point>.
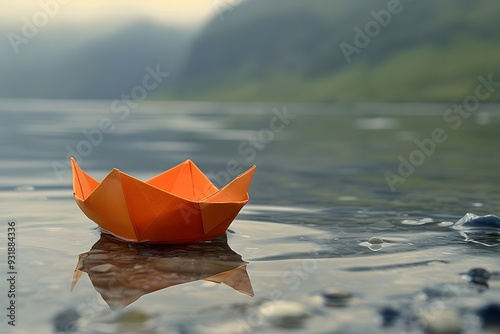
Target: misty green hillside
<point>290,50</point>
<point>279,50</point>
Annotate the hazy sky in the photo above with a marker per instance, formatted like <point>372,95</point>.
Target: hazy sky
<point>173,12</point>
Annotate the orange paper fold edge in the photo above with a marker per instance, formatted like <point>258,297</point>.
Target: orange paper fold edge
<point>180,205</point>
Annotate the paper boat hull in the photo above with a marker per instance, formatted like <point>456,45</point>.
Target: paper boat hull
<point>171,227</point>
<point>137,211</point>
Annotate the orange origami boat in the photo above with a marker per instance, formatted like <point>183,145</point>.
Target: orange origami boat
<point>180,205</point>
<point>122,273</point>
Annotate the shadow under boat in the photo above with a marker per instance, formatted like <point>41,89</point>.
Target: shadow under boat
<point>122,272</point>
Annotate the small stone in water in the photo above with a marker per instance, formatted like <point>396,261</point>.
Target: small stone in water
<point>389,316</point>
<point>132,316</point>
<point>490,315</point>
<point>285,314</point>
<point>443,322</point>
<point>65,322</point>
<point>479,276</point>
<point>335,298</point>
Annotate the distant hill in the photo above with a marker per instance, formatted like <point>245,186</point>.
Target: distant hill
<point>82,63</point>
<point>291,50</point>
<point>272,50</point>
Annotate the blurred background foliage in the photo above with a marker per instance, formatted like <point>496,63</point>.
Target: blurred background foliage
<point>262,50</point>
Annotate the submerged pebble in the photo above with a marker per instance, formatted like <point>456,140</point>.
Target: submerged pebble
<point>389,316</point>
<point>131,316</point>
<point>335,298</point>
<point>490,315</point>
<point>285,314</point>
<point>66,321</point>
<point>479,276</point>
<point>441,322</point>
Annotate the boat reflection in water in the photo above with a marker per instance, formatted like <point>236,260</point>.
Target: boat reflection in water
<point>122,272</point>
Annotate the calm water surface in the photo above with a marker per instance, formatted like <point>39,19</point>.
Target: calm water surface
<point>324,246</point>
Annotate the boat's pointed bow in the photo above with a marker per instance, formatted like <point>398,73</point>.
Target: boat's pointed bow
<point>223,206</point>
<point>235,191</point>
<point>83,184</point>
